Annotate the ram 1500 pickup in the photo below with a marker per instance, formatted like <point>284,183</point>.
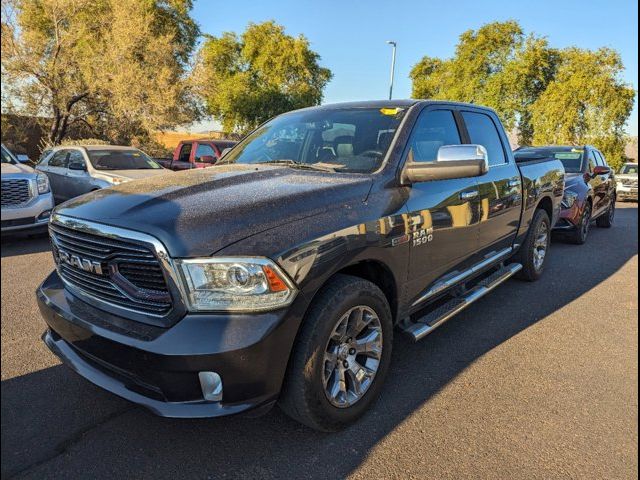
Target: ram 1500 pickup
<point>281,274</point>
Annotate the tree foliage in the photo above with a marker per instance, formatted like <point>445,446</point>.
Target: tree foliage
<point>247,79</point>
<point>546,95</point>
<point>117,67</point>
<point>586,103</point>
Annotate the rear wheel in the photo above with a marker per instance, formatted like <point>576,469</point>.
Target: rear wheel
<point>606,220</point>
<point>580,234</point>
<point>341,355</point>
<point>533,252</point>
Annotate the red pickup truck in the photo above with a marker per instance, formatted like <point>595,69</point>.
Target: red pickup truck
<point>195,154</point>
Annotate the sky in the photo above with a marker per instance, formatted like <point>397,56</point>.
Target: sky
<point>350,35</point>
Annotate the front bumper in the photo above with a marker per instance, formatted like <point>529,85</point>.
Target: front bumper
<point>624,192</point>
<point>158,367</point>
<point>33,215</point>
<point>569,218</point>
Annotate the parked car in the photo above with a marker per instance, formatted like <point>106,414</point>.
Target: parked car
<point>280,274</point>
<point>627,178</point>
<point>590,191</point>
<point>76,170</point>
<point>196,154</point>
<point>26,195</point>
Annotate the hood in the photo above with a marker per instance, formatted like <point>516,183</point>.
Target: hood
<point>571,179</point>
<point>12,169</point>
<point>134,174</point>
<point>200,211</point>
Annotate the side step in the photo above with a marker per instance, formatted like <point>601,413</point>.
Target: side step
<point>432,320</point>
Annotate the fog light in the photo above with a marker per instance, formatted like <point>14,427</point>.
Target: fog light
<point>45,214</point>
<point>211,385</point>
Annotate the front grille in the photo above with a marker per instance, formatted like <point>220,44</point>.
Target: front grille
<point>15,192</point>
<point>630,183</point>
<point>122,273</point>
<point>18,222</point>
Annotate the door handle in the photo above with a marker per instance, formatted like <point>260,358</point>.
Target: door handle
<point>469,195</point>
<point>514,182</point>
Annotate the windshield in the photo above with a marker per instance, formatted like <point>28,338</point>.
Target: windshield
<point>121,160</point>
<point>7,157</point>
<point>340,140</point>
<point>629,170</point>
<point>570,157</point>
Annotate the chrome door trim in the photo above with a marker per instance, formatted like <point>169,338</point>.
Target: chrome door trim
<point>445,284</point>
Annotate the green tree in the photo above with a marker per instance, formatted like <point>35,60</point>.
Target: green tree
<point>586,103</point>
<point>245,80</point>
<point>497,66</point>
<point>117,67</point>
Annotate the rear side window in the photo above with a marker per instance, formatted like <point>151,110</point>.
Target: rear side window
<point>185,153</point>
<point>59,159</point>
<point>482,131</point>
<point>434,129</point>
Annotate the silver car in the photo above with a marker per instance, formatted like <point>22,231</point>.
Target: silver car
<point>26,196</point>
<point>76,170</point>
<point>627,179</point>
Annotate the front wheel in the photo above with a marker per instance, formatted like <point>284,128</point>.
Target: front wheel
<point>533,252</point>
<point>341,355</point>
<point>581,232</point>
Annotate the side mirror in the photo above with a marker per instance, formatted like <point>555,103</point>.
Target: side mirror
<point>454,161</point>
<point>601,170</point>
<point>207,159</point>
<point>78,166</point>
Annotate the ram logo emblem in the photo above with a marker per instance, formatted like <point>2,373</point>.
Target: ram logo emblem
<point>85,264</point>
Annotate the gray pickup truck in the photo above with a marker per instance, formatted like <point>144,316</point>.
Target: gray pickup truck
<point>26,196</point>
<point>279,274</point>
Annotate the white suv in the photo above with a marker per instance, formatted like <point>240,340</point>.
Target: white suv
<point>26,196</point>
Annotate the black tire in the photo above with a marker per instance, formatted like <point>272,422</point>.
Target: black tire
<point>580,234</point>
<point>606,220</point>
<point>526,255</point>
<point>303,395</point>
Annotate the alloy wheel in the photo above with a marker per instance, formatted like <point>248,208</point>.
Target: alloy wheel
<point>352,356</point>
<point>540,245</point>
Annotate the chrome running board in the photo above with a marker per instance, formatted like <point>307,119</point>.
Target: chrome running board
<point>427,324</point>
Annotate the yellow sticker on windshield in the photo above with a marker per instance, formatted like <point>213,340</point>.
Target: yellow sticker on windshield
<point>390,111</point>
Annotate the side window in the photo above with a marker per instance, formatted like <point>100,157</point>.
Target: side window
<point>185,153</point>
<point>434,129</point>
<point>75,157</point>
<point>204,150</point>
<point>483,131</point>
<point>59,159</point>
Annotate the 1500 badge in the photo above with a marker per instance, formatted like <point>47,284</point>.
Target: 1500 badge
<point>422,236</point>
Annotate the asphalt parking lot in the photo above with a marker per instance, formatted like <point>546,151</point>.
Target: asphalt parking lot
<point>534,381</point>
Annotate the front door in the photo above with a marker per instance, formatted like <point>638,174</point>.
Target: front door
<point>443,214</point>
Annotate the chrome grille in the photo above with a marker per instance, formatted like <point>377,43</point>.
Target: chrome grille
<point>15,192</point>
<point>115,271</point>
<point>630,182</point>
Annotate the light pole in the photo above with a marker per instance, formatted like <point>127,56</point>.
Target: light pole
<point>393,65</point>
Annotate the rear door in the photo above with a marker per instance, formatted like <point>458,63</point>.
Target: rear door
<point>500,189</point>
<point>443,215</point>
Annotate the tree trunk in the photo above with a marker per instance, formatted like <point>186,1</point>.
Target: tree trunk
<point>55,126</point>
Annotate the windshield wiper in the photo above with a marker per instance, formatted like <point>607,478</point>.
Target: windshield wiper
<point>294,164</point>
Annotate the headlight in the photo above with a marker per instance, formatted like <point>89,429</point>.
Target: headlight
<point>235,284</point>
<point>43,183</point>
<point>569,199</point>
<point>118,180</point>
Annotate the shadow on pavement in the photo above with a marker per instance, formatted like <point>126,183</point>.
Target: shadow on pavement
<point>50,412</point>
<point>24,244</point>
